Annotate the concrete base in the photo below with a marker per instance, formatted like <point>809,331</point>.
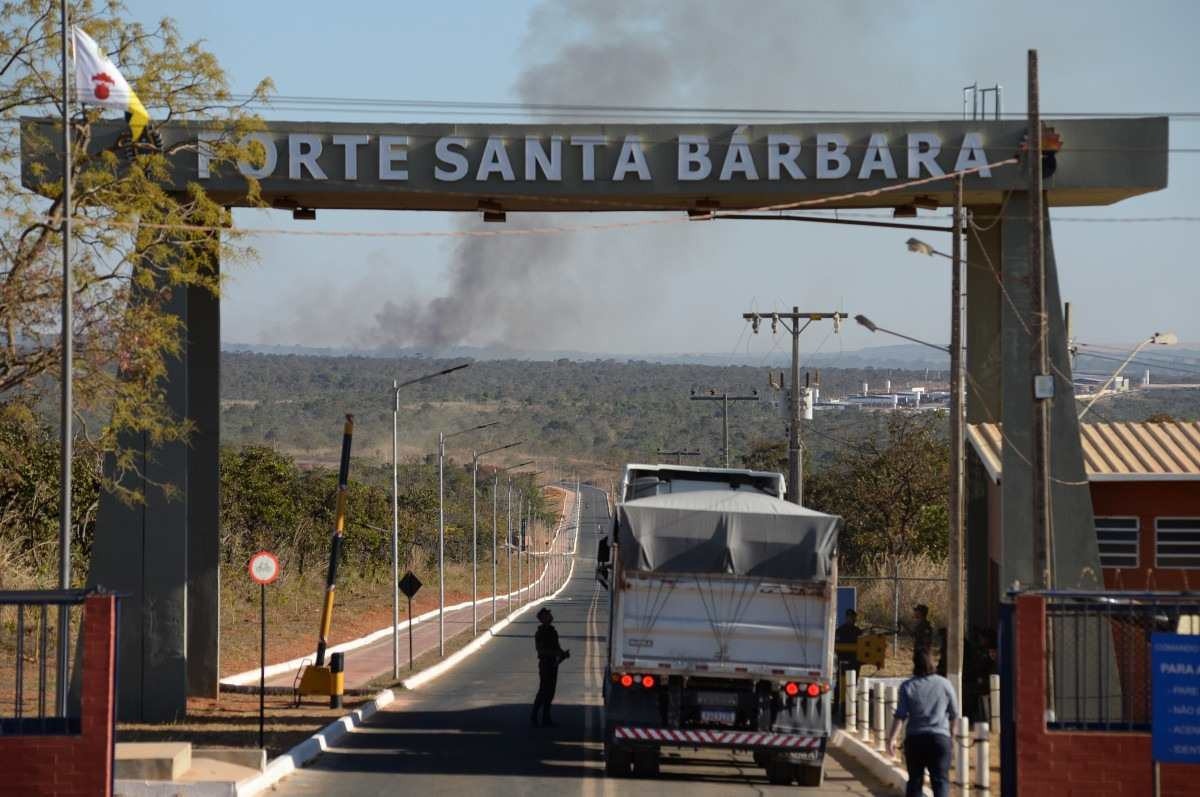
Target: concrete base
<point>151,760</point>
<point>255,759</point>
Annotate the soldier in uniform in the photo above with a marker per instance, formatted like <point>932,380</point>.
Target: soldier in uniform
<point>922,629</point>
<point>550,654</point>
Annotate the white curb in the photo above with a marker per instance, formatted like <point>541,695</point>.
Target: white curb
<point>313,746</point>
<point>885,770</point>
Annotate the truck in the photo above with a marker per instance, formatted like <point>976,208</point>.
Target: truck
<point>722,600</point>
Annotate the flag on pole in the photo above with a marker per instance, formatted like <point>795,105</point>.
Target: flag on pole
<point>98,82</point>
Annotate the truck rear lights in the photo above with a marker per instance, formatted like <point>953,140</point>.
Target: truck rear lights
<point>813,690</point>
<point>648,681</point>
<point>791,688</point>
<point>626,680</point>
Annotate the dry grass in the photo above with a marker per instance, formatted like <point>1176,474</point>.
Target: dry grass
<point>876,599</point>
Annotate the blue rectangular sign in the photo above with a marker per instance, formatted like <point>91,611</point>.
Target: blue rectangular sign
<point>1175,685</point>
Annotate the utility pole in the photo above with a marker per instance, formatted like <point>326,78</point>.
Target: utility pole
<point>791,323</point>
<point>1043,381</point>
<point>678,453</point>
<point>724,398</point>
<point>954,631</point>
<point>1043,387</point>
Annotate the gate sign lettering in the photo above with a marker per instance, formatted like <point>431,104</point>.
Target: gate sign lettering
<point>1175,666</point>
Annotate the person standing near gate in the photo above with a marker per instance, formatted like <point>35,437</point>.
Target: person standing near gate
<point>550,654</point>
<point>928,705</point>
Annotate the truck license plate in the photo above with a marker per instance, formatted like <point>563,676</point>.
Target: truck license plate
<point>719,716</point>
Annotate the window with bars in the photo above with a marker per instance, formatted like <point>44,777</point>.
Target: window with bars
<point>1118,541</point>
<point>1177,542</point>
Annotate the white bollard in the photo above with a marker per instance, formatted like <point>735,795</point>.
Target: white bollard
<point>961,734</point>
<point>851,696</point>
<point>877,721</point>
<point>864,710</point>
<point>983,764</point>
<point>890,695</point>
<point>994,699</point>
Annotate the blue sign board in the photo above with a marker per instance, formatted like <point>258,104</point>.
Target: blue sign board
<point>1175,685</point>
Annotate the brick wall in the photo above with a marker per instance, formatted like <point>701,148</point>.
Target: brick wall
<point>73,765</point>
<point>1075,763</point>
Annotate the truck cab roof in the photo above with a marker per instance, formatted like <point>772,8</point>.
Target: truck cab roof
<point>642,481</point>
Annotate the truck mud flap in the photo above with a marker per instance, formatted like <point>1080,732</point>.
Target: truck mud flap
<point>709,738</point>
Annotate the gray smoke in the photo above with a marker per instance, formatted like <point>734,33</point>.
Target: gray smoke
<point>524,290</point>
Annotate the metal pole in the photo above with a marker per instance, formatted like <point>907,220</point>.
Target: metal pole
<point>508,600</point>
<point>1040,364</point>
<point>410,635</point>
<point>396,532</point>
<point>1043,540</point>
<point>520,549</point>
<point>954,633</point>
<point>441,545</point>
<point>66,432</point>
<point>474,545</point>
<point>725,425</point>
<point>795,467</point>
<point>495,550</point>
<point>262,661</point>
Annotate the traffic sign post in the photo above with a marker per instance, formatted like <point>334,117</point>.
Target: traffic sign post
<point>409,586</point>
<point>264,569</point>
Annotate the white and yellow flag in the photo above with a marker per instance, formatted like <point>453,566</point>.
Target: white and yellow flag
<point>98,82</point>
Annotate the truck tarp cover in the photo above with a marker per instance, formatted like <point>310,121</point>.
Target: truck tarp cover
<point>738,532</point>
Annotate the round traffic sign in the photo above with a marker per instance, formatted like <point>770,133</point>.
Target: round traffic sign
<point>264,567</point>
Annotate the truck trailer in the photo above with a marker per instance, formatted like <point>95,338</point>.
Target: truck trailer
<point>721,622</point>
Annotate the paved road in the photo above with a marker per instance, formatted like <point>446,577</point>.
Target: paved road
<point>369,662</point>
<point>468,732</point>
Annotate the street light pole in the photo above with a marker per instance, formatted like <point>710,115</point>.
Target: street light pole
<point>441,545</point>
<point>1158,338</point>
<point>396,386</point>
<point>475,457</point>
<point>442,437</point>
<point>396,533</point>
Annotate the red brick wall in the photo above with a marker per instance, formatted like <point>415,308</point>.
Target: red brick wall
<point>1074,763</point>
<point>1146,501</point>
<point>73,766</point>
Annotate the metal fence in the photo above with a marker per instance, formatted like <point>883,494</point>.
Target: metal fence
<point>1098,661</point>
<point>32,689</point>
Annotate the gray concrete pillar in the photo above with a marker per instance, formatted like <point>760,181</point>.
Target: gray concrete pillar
<point>1076,556</point>
<point>162,552</point>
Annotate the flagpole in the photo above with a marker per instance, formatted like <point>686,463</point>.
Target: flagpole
<point>65,430</point>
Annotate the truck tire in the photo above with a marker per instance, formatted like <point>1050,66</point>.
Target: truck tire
<point>810,775</point>
<point>780,772</point>
<point>645,762</point>
<point>617,760</point>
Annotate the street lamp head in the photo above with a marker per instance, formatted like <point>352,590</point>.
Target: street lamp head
<point>866,322</point>
<point>920,247</point>
<point>1164,338</point>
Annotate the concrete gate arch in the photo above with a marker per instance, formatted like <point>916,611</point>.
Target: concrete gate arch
<point>164,555</point>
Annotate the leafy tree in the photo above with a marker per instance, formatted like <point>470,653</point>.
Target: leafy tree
<point>134,243</point>
<point>892,492</point>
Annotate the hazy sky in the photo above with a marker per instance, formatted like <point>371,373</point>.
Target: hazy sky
<point>684,288</point>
